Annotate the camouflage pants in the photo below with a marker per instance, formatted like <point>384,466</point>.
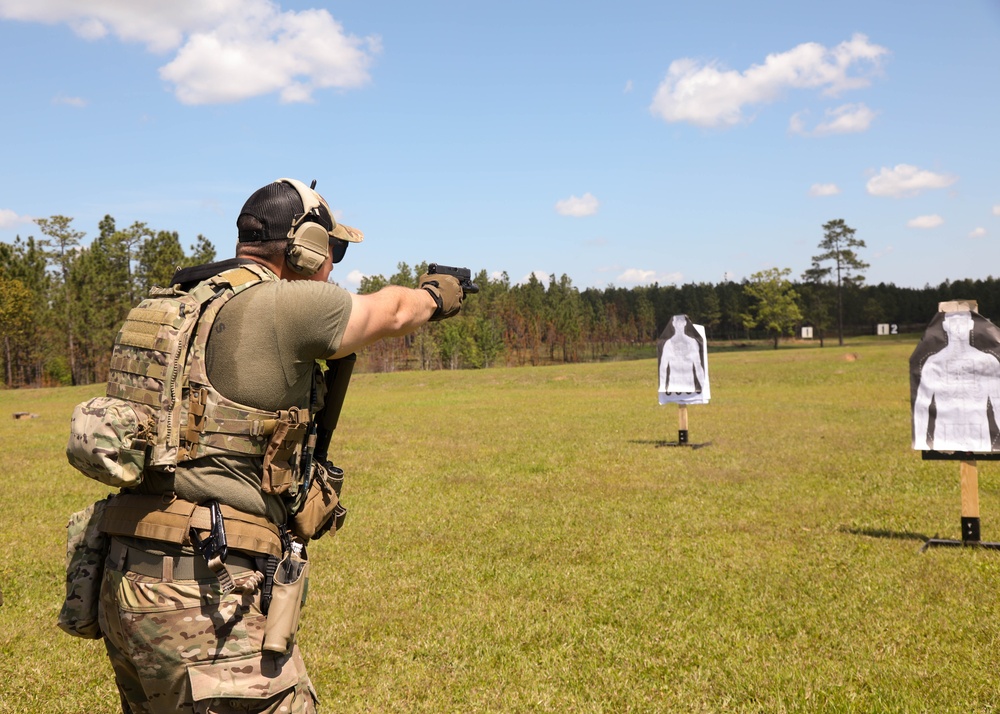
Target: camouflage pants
<point>179,646</point>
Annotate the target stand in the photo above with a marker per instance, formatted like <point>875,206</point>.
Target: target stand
<point>682,431</point>
<point>969,475</point>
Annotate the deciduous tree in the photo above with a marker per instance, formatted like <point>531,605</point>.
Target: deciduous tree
<point>773,305</point>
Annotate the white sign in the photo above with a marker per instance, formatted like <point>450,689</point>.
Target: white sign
<point>682,358</point>
<point>882,329</point>
<point>807,333</point>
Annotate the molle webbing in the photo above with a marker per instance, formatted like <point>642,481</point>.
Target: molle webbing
<point>213,427</point>
<point>158,361</point>
<point>155,518</point>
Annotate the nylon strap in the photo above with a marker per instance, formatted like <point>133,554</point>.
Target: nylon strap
<point>135,338</point>
<point>134,394</point>
<point>237,276</point>
<point>121,363</point>
<point>154,517</point>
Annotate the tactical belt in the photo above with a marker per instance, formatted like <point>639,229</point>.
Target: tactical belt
<point>185,567</point>
<point>170,519</point>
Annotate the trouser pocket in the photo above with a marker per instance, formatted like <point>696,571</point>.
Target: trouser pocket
<point>240,684</point>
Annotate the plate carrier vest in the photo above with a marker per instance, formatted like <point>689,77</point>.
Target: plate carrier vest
<point>158,366</point>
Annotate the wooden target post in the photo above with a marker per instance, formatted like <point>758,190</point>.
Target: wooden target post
<point>683,437</point>
<point>969,480</point>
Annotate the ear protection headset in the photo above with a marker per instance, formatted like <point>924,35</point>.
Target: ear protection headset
<point>308,240</point>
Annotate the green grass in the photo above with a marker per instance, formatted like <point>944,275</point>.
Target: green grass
<point>517,542</point>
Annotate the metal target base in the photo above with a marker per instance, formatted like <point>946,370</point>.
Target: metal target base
<point>675,444</point>
<point>970,538</point>
<point>682,440</point>
<point>932,542</point>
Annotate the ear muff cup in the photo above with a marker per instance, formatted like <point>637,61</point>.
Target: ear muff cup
<point>308,241</point>
<point>308,249</point>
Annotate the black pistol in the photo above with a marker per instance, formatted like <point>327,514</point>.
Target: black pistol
<point>463,275</point>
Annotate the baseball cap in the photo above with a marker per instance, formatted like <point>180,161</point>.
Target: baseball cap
<point>277,205</point>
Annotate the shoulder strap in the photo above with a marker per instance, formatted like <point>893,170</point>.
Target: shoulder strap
<point>187,278</point>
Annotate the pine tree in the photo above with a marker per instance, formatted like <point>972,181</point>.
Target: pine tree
<point>60,249</point>
<point>839,246</point>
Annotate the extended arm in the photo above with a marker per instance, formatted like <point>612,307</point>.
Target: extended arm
<point>393,311</point>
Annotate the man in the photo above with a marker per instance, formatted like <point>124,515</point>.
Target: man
<point>183,615</point>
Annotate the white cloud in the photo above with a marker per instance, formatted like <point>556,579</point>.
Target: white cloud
<point>585,205</point>
<point>540,275</point>
<point>78,102</point>
<point>824,189</point>
<point>845,119</point>
<point>224,50</point>
<point>977,232</point>
<point>637,276</point>
<point>9,219</point>
<point>628,86</point>
<point>996,210</point>
<point>707,94</point>
<point>904,180</point>
<point>353,279</point>
<point>931,221</point>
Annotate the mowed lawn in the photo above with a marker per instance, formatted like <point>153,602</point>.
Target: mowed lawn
<point>518,540</point>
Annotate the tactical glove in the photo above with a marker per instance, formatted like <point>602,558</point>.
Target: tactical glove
<point>447,293</point>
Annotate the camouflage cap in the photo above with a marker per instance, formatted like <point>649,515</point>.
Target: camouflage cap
<point>276,207</point>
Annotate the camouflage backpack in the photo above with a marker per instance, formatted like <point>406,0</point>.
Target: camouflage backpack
<point>160,408</point>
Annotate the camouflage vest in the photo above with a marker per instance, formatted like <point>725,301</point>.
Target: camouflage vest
<point>161,408</point>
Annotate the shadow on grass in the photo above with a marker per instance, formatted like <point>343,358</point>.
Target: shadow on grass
<point>659,443</point>
<point>885,533</point>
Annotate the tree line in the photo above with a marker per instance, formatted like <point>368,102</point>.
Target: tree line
<point>61,304</point>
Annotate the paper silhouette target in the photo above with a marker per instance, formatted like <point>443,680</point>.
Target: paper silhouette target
<point>682,358</point>
<point>955,382</point>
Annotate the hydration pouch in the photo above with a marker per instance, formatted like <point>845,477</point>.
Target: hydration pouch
<point>108,441</point>
<point>288,595</point>
<point>86,550</point>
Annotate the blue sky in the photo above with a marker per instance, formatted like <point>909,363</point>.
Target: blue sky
<point>619,143</point>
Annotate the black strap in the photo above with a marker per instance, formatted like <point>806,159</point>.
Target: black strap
<point>189,277</point>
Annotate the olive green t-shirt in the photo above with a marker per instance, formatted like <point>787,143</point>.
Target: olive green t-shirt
<point>261,353</point>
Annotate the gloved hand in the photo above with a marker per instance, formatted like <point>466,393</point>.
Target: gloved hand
<point>447,293</point>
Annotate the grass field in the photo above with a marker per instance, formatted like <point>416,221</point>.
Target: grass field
<point>518,542</point>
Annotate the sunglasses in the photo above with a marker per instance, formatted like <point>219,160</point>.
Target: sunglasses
<point>338,248</point>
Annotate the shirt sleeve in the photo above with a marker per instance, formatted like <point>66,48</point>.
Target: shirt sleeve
<point>310,318</point>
